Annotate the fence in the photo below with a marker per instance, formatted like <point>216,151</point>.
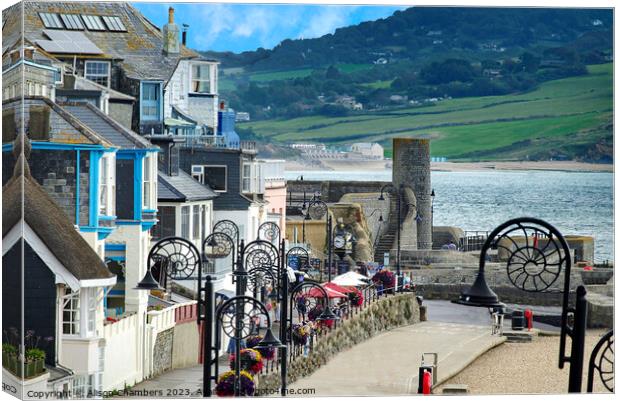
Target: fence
<point>319,330</point>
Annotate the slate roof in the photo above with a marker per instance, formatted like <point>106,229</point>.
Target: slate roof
<point>81,83</point>
<point>48,221</point>
<point>181,188</point>
<point>106,127</point>
<point>139,49</point>
<point>90,136</point>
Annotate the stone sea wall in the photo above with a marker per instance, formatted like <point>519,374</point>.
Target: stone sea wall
<point>386,314</point>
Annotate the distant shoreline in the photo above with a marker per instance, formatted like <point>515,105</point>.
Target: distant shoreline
<point>380,165</point>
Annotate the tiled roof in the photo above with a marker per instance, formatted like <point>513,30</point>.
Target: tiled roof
<point>106,127</point>
<point>48,221</point>
<point>139,48</point>
<point>182,188</point>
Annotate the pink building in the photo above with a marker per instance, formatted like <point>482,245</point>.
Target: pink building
<point>275,192</point>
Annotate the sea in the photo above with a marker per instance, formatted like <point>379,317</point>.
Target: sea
<point>574,202</point>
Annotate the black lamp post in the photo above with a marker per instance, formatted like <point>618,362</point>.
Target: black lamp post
<point>302,289</point>
<point>536,252</point>
<point>432,213</point>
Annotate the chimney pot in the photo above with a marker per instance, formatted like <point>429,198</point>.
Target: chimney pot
<point>171,15</point>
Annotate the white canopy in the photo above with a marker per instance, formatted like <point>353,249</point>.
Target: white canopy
<point>350,279</point>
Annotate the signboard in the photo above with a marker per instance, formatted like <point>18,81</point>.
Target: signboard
<point>386,258</point>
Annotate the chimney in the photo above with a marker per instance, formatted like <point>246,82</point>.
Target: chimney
<point>184,35</point>
<point>29,53</point>
<point>14,56</point>
<point>170,34</point>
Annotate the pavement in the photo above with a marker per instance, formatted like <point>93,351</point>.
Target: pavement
<point>388,363</point>
<point>384,365</point>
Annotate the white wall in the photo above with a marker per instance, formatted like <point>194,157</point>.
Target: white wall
<point>122,361</point>
<point>202,109</point>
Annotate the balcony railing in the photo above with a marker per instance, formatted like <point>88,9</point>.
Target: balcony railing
<point>211,141</point>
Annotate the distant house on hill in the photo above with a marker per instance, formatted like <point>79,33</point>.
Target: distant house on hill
<point>368,150</point>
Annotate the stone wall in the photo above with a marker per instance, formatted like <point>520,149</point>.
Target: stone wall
<point>162,355</point>
<point>372,208</point>
<point>333,191</point>
<point>386,314</point>
<point>448,284</point>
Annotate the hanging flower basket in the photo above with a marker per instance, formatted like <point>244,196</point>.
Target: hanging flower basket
<point>385,278</point>
<point>301,333</point>
<point>225,386</point>
<point>266,353</point>
<point>251,360</point>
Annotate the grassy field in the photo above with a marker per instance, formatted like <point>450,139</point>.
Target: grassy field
<point>460,127</point>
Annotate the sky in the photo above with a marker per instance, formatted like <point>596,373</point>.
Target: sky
<point>241,27</point>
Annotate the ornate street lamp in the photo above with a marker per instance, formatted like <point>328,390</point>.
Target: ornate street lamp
<point>536,252</point>
<point>315,211</point>
<point>269,231</point>
<point>307,304</point>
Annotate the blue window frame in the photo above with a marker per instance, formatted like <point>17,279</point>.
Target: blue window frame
<point>150,101</point>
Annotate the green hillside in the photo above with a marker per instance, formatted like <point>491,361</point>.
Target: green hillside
<point>566,118</point>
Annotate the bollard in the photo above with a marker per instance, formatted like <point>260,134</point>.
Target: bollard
<point>427,383</point>
<point>529,317</point>
<point>518,321</point>
<point>425,379</point>
<point>429,367</point>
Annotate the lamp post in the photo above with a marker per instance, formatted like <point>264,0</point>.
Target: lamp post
<point>376,236</point>
<point>178,258</point>
<point>536,252</point>
<point>303,289</point>
<point>399,194</point>
<point>432,213</point>
<point>316,210</point>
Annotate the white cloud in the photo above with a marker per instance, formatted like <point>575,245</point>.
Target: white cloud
<point>326,21</point>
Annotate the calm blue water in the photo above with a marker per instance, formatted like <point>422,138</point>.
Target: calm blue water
<point>576,203</point>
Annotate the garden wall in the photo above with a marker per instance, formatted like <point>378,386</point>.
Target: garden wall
<point>386,314</point>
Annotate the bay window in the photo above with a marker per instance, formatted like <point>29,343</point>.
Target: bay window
<point>71,312</point>
<point>107,185</point>
<point>246,178</point>
<point>149,177</point>
<point>185,221</point>
<point>201,79</point>
<point>196,222</point>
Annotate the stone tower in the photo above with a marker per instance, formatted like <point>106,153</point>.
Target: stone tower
<point>412,167</point>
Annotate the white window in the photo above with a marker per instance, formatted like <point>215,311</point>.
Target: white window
<point>149,183</point>
<point>201,78</point>
<point>71,312</point>
<point>246,178</point>
<point>107,185</point>
<point>92,311</point>
<point>83,386</point>
<point>185,222</point>
<point>97,71</point>
<point>196,222</point>
<point>43,90</point>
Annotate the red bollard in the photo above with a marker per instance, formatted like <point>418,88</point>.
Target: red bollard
<point>529,316</point>
<point>427,382</point>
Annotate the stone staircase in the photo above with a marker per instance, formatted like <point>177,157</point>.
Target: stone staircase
<point>386,241</point>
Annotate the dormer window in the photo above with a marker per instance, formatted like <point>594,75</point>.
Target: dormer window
<point>97,71</point>
<point>201,79</point>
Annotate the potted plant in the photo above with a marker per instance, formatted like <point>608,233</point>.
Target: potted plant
<point>226,384</point>
<point>9,351</point>
<point>386,279</point>
<point>300,334</point>
<point>251,360</point>
<point>35,360</point>
<point>266,353</point>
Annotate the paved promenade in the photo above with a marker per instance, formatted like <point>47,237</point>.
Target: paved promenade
<point>388,364</point>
